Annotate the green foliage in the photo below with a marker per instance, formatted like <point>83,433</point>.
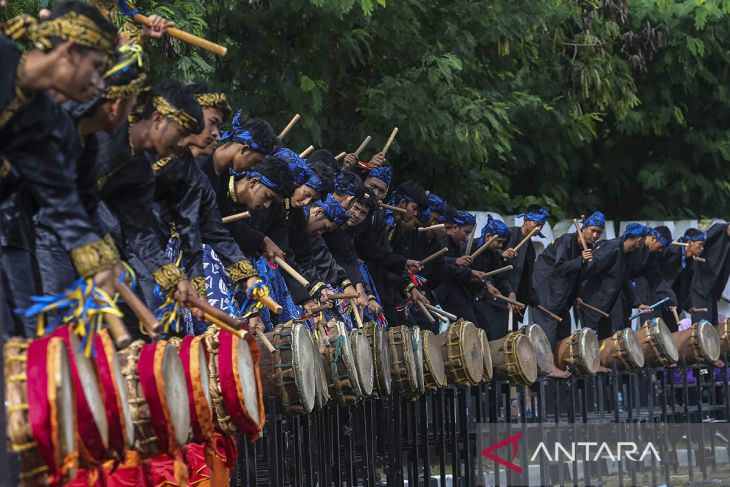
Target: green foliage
<point>577,105</point>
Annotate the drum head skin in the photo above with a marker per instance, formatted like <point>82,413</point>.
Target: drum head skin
<point>363,361</point>
<point>541,344</point>
<point>418,356</point>
<point>248,380</point>
<point>64,404</point>
<point>304,359</point>
<point>176,392</point>
<point>385,380</point>
<point>433,360</point>
<point>527,358</point>
<point>666,343</point>
<point>92,390</point>
<point>487,356</point>
<point>633,348</point>
<point>589,347</point>
<point>409,356</point>
<point>124,399</point>
<point>472,347</point>
<point>322,395</point>
<point>709,341</point>
<point>349,360</point>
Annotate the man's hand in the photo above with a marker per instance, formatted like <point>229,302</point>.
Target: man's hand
<point>250,282</point>
<point>374,307</point>
<point>272,250</point>
<point>185,289</point>
<point>413,265</point>
<point>587,255</point>
<point>418,296</point>
<point>378,159</point>
<point>105,281</point>
<point>256,323</point>
<point>477,276</point>
<point>493,291</point>
<point>324,294</point>
<point>349,290</point>
<point>362,298</point>
<point>645,308</point>
<point>350,161</point>
<point>464,261</point>
<point>158,28</point>
<point>509,254</point>
<point>515,309</point>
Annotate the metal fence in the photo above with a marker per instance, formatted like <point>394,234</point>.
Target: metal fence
<point>431,440</point>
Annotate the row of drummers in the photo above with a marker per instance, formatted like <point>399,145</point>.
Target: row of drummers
<point>66,410</point>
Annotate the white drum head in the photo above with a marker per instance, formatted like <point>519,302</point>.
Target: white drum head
<point>633,348</point>
<point>349,361</point>
<point>122,391</point>
<point>418,356</point>
<point>92,390</point>
<point>589,349</point>
<point>709,341</point>
<point>665,339</point>
<point>304,360</point>
<point>64,403</point>
<point>409,357</point>
<point>176,392</point>
<point>248,380</point>
<point>363,361</point>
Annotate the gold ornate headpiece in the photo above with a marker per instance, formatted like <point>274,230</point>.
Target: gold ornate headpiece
<point>178,116</point>
<point>215,100</point>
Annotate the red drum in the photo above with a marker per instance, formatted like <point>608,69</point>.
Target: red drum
<point>195,364</point>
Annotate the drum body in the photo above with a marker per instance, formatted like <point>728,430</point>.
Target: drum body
<point>463,357</point>
<point>434,374</point>
<point>657,344</point>
<point>402,361</point>
<point>40,409</point>
<point>91,418</point>
<point>514,359</point>
<point>158,396</point>
<point>363,361</point>
<point>624,348</point>
<point>700,343</point>
<point>339,364</point>
<point>543,350</point>
<point>417,343</point>
<point>378,340</point>
<point>723,330</point>
<point>487,355</point>
<point>322,393</point>
<point>289,373</point>
<point>579,352</point>
<point>194,361</point>
<point>235,383</point>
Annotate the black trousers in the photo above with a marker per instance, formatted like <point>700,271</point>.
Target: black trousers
<point>20,276</point>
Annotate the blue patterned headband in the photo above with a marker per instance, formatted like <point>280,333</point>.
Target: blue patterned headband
<point>540,216</point>
<point>344,186</point>
<point>264,180</point>
<point>384,173</point>
<point>597,219</point>
<point>240,136</point>
<point>436,204</point>
<point>467,218</point>
<point>635,230</point>
<point>659,237</point>
<point>334,210</point>
<point>495,227</point>
<point>700,237</point>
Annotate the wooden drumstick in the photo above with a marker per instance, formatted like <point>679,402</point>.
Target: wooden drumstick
<point>343,296</point>
<point>393,208</point>
<point>185,36</point>
<point>549,313</point>
<point>390,141</point>
<point>242,334</point>
<point>680,244</point>
<point>289,126</point>
<point>265,340</point>
<point>432,227</point>
<point>290,270</point>
<point>484,247</point>
<point>581,239</point>
<point>498,271</point>
<point>592,308</point>
<point>119,331</point>
<point>306,152</point>
<point>700,310</point>
<point>533,232</point>
<point>674,312</point>
<point>433,256</point>
<point>699,259</point>
<point>151,325</point>
<point>236,217</point>
<point>195,301</point>
<point>320,308</point>
<point>340,156</point>
<point>511,320</point>
<point>425,312</point>
<point>443,313</point>
<point>510,301</point>
<point>362,146</point>
<point>356,312</point>
<point>267,301</point>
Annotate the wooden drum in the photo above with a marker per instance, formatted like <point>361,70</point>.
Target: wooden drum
<point>155,382</point>
<point>700,343</point>
<point>657,344</point>
<point>339,365</point>
<point>579,352</point>
<point>321,390</point>
<point>403,361</point>
<point>463,357</point>
<point>543,350</point>
<point>363,357</point>
<point>417,341</point>
<point>434,375</point>
<point>235,382</point>
<point>194,361</point>
<point>624,348</point>
<point>378,340</point>
<point>487,354</point>
<point>514,359</point>
<point>39,401</point>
